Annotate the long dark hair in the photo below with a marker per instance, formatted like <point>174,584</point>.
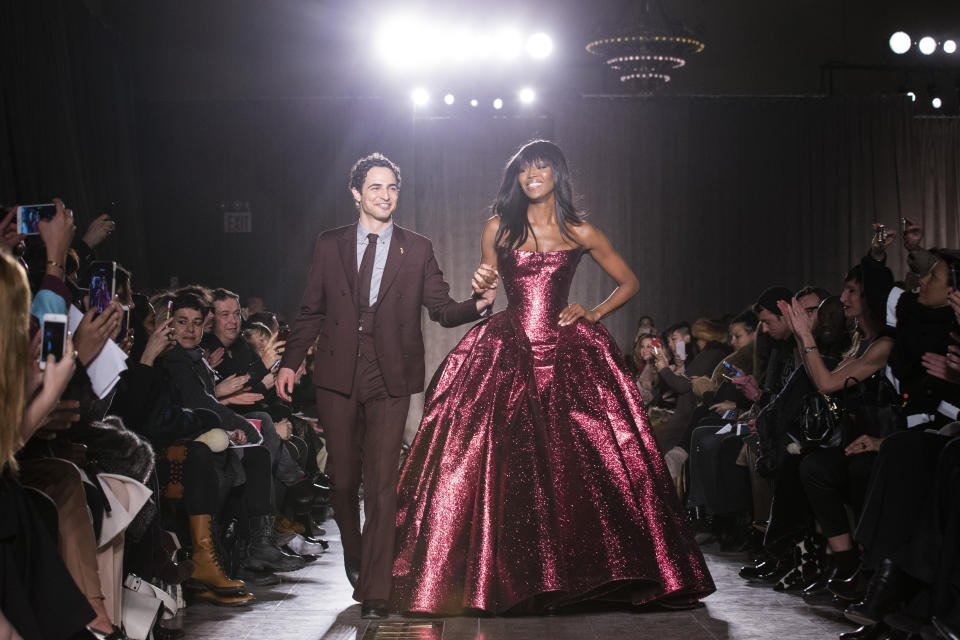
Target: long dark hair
<point>511,202</point>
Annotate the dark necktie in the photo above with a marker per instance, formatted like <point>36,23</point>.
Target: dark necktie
<point>366,272</point>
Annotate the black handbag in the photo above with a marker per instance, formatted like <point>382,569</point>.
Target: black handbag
<point>874,408</point>
<point>821,420</point>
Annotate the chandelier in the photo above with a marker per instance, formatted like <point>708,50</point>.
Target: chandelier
<point>646,53</point>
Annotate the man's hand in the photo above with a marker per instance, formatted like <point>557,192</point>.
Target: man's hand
<point>160,341</point>
<point>237,436</point>
<point>484,278</point>
<point>284,429</point>
<point>748,386</point>
<point>94,331</point>
<point>215,357</point>
<point>286,379</point>
<point>863,444</point>
<point>98,230</point>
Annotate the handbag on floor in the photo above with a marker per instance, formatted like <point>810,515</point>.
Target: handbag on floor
<point>143,603</point>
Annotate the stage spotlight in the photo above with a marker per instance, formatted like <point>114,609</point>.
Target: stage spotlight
<point>927,45</point>
<point>419,96</point>
<point>949,46</point>
<point>509,44</point>
<point>498,104</point>
<point>900,42</point>
<point>474,102</point>
<point>912,96</point>
<point>449,99</point>
<point>539,46</point>
<point>936,103</point>
<point>527,95</point>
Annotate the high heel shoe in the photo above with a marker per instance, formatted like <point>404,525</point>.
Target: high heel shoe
<point>882,593</point>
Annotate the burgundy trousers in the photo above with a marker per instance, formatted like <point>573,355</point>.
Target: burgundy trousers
<point>364,432</point>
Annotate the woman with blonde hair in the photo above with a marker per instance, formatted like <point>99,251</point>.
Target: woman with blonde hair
<point>31,573</point>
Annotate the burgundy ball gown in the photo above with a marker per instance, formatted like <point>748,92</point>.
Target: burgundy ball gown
<point>534,481</point>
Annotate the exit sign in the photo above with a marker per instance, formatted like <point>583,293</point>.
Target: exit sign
<point>237,222</point>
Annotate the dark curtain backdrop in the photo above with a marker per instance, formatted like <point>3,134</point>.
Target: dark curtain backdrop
<point>67,119</point>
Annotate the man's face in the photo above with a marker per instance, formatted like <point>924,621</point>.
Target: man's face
<point>774,325</point>
<point>187,327</point>
<point>810,304</point>
<point>935,287</point>
<point>378,197</point>
<point>226,320</point>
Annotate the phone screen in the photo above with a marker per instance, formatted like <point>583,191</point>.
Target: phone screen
<point>102,284</point>
<point>53,338</point>
<point>731,369</point>
<point>31,215</point>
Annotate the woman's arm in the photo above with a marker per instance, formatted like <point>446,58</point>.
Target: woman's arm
<point>593,240</point>
<point>826,381</point>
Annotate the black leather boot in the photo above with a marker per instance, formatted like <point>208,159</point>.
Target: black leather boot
<point>867,632</point>
<point>263,554</point>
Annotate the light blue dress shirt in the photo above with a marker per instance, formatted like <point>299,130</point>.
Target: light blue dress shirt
<point>380,257</point>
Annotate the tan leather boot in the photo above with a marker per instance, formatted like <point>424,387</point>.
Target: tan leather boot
<point>207,566</point>
<point>232,600</point>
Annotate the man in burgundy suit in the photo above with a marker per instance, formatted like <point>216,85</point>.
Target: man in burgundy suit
<point>367,283</point>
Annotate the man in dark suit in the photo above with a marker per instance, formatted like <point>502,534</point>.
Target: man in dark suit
<point>362,304</point>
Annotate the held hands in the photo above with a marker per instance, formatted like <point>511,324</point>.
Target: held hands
<point>484,286</point>
<point>574,311</point>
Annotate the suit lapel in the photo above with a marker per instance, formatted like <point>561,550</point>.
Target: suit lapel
<point>394,260</point>
<point>348,256</point>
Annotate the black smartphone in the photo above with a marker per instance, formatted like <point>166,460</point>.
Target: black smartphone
<point>283,333</point>
<point>30,215</point>
<point>103,284</point>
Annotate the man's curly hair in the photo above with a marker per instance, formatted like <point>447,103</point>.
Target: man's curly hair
<point>358,172</point>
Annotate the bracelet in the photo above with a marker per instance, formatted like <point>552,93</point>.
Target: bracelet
<point>807,350</point>
<point>57,264</point>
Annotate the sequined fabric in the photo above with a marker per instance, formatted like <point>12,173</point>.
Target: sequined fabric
<point>534,480</point>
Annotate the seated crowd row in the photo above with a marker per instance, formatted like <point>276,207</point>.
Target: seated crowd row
<point>820,431</point>
<point>155,423</point>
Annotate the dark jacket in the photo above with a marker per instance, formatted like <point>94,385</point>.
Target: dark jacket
<point>329,313</point>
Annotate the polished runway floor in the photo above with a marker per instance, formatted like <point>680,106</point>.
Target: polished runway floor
<point>315,604</point>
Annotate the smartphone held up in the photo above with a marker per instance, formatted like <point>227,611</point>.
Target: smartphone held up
<point>30,215</point>
<point>53,337</point>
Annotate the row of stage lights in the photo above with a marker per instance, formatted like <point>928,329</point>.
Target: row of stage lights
<point>420,97</point>
<point>409,42</point>
<point>901,43</point>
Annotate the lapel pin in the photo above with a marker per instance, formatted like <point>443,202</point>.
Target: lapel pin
<point>401,250</point>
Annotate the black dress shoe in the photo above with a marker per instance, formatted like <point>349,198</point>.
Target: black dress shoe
<point>882,593</point>
<point>852,588</point>
<point>867,632</point>
<point>772,574</point>
<point>352,565</point>
<point>749,572</point>
<point>374,610</point>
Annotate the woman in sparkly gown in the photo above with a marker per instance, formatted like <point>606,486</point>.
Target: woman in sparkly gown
<point>534,481</point>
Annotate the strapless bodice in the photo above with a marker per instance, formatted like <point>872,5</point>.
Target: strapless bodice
<point>537,285</point>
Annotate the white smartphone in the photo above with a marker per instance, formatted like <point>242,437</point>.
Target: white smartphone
<point>53,337</point>
<point>30,215</point>
<point>681,349</point>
